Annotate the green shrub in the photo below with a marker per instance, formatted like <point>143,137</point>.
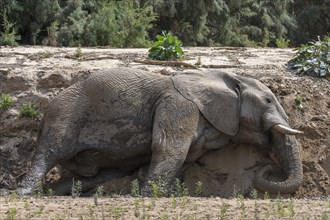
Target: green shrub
<point>9,34</point>
<point>282,43</point>
<point>29,111</point>
<point>313,59</point>
<point>5,101</point>
<point>135,189</point>
<point>76,188</point>
<point>179,189</point>
<point>167,47</point>
<point>159,187</point>
<point>119,24</point>
<point>78,52</point>
<point>45,54</point>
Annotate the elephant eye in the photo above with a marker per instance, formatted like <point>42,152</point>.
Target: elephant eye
<point>268,100</point>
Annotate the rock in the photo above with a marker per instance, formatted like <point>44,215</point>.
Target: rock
<point>54,80</point>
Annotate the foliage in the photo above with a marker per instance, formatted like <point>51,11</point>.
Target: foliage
<point>198,188</point>
<point>313,59</point>
<point>120,24</point>
<point>11,213</point>
<point>299,103</point>
<point>282,43</point>
<point>132,23</point>
<point>45,54</point>
<point>29,111</point>
<point>224,22</point>
<point>5,101</point>
<point>135,189</point>
<point>159,187</point>
<point>73,20</point>
<point>167,47</point>
<point>179,189</point>
<point>76,188</point>
<point>9,34</point>
<point>78,52</point>
<point>312,19</point>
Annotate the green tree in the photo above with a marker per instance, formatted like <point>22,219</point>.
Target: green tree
<point>224,22</point>
<point>9,34</point>
<point>120,24</point>
<point>313,20</point>
<point>72,24</point>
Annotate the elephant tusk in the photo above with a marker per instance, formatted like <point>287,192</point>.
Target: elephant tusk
<point>286,130</point>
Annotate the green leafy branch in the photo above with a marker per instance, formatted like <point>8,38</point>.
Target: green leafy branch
<point>313,59</point>
<point>167,47</point>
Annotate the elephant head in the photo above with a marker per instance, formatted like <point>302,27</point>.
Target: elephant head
<point>248,112</point>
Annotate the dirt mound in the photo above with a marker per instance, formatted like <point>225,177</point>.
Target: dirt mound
<point>30,76</point>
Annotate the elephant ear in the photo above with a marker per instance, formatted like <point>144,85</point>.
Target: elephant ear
<point>216,94</point>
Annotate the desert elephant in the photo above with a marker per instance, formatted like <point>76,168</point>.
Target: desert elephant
<point>122,119</point>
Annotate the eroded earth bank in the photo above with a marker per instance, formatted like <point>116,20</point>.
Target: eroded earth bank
<point>37,74</point>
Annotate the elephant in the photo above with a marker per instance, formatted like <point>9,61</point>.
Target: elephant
<point>122,119</point>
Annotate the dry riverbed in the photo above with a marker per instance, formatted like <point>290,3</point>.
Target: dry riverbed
<point>37,74</point>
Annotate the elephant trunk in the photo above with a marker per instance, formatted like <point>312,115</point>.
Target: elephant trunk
<point>286,151</point>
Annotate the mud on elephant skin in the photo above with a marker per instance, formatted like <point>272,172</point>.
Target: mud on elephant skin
<point>122,119</point>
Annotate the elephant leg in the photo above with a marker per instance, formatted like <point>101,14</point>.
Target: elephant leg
<point>63,187</point>
<point>174,129</point>
<point>55,146</point>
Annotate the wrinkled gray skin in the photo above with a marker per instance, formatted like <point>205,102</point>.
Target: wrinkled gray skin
<point>123,119</point>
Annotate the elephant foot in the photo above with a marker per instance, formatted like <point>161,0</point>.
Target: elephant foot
<point>146,190</point>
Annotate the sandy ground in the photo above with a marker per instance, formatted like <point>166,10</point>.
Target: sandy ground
<point>37,74</point>
<point>161,208</point>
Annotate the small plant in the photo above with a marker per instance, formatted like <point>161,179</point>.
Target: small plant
<point>184,201</point>
<point>313,59</point>
<point>291,208</point>
<point>240,200</point>
<point>167,47</point>
<point>164,217</point>
<point>45,54</point>
<point>280,208</point>
<point>78,53</point>
<point>12,197</point>
<point>5,101</point>
<point>299,103</point>
<point>199,61</point>
<point>254,195</point>
<point>137,207</point>
<point>76,188</point>
<point>29,111</point>
<point>266,196</point>
<point>11,213</point>
<point>223,210</point>
<point>100,191</point>
<point>135,189</point>
<point>50,192</point>
<point>325,216</point>
<point>282,43</point>
<point>173,202</point>
<point>180,189</point>
<point>117,212</point>
<point>158,188</point>
<point>27,205</point>
<point>198,188</point>
<point>39,211</point>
